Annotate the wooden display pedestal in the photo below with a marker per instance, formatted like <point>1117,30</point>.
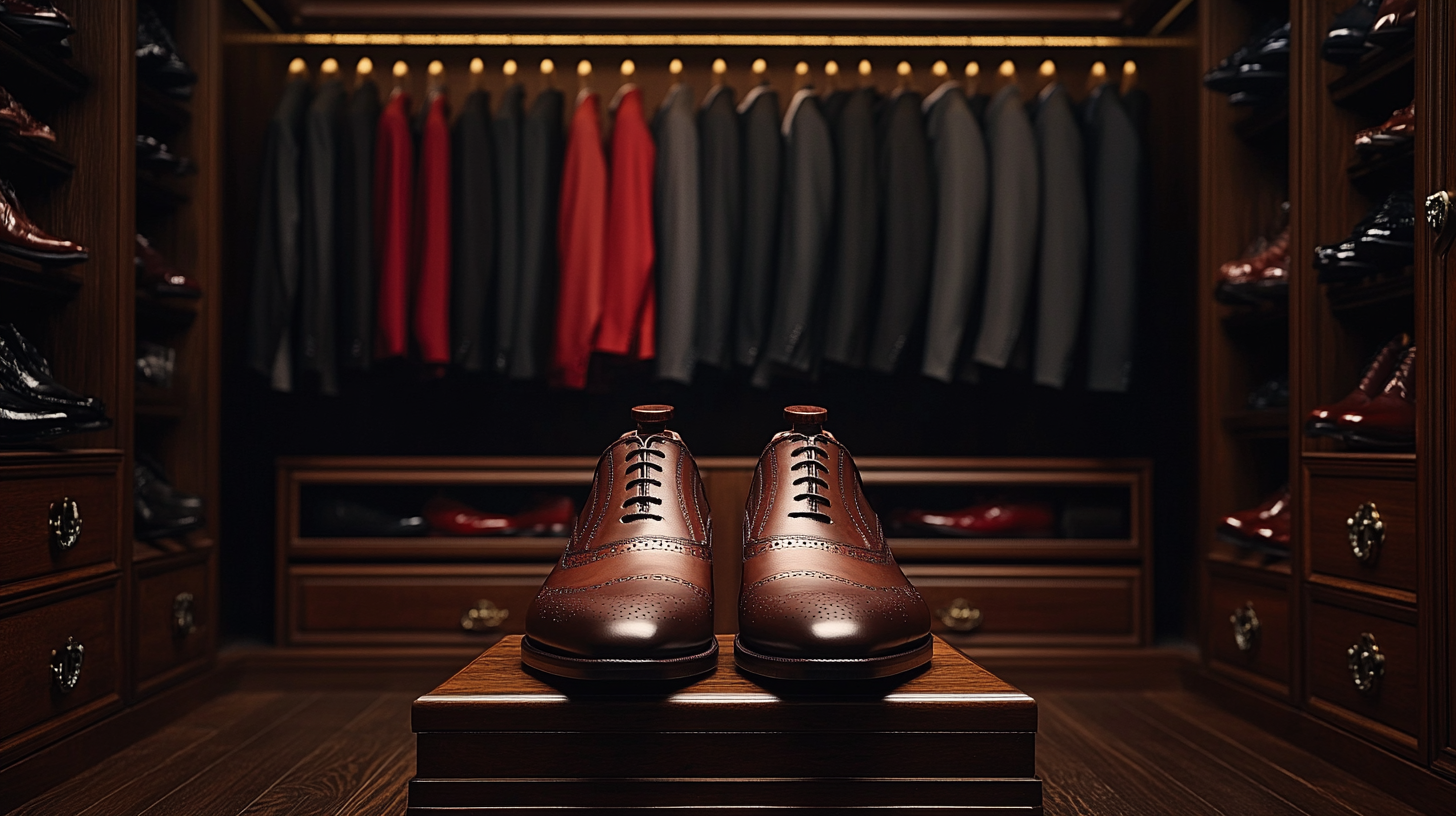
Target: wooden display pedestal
<point>498,739</point>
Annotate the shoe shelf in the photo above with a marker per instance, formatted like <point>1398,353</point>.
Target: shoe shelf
<point>19,273</point>
<point>1264,317</point>
<point>1235,560</point>
<point>157,195</point>
<point>158,112</point>
<point>1269,423</point>
<point>1360,457</point>
<point>910,550</point>
<point>32,73</point>
<point>29,159</point>
<point>1396,292</point>
<point>428,548</point>
<point>1267,124</point>
<point>165,553</point>
<point>159,404</point>
<point>1385,171</point>
<point>164,314</point>
<point>1377,84</point>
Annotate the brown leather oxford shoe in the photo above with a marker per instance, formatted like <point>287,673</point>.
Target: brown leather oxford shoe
<point>632,596</point>
<point>1389,419</point>
<point>822,596</point>
<point>1325,419</point>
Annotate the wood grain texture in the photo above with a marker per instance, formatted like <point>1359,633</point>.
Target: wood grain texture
<point>1334,494</point>
<point>28,488</point>
<point>164,654</point>
<point>1395,702</point>
<point>1270,655</point>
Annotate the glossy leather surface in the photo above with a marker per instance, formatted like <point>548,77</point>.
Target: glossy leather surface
<point>1389,419</point>
<point>1265,527</point>
<point>1255,66</point>
<point>553,516</point>
<point>636,579</point>
<point>36,18</point>
<point>14,116</point>
<point>23,421</point>
<point>1397,131</point>
<point>1322,421</point>
<point>819,580</point>
<point>1009,519</point>
<point>156,273</point>
<point>1345,42</point>
<point>1395,23</point>
<point>161,511</point>
<point>19,232</point>
<point>346,519</point>
<point>1262,276</point>
<point>25,373</point>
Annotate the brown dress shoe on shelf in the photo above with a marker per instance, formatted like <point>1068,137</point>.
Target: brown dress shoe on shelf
<point>1264,528</point>
<point>1396,132</point>
<point>822,596</point>
<point>632,595</point>
<point>1395,23</point>
<point>1263,276</point>
<point>19,236</point>
<point>15,118</point>
<point>1389,420</point>
<point>1324,420</point>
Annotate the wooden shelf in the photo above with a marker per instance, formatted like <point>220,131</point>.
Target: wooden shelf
<point>157,112</point>
<point>164,553</point>
<point>168,313</point>
<point>158,195</point>
<point>1381,293</point>
<point>158,404</point>
<point>1358,457</point>
<point>430,548</point>
<point>1235,558</point>
<point>34,73</point>
<point>1265,124</point>
<point>1017,549</point>
<point>31,159</point>
<point>1386,171</point>
<point>1266,316</point>
<point>22,274</point>
<point>1270,423</point>
<point>1378,84</point>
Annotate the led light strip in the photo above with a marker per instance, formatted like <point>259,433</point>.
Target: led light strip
<point>709,40</point>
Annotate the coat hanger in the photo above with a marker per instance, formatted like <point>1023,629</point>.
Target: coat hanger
<point>831,73</point>
<point>973,78</point>
<point>435,84</point>
<point>1096,75</point>
<point>297,68</point>
<point>865,69</point>
<point>1129,76</point>
<point>401,76</point>
<point>1046,76</point>
<point>477,74</point>
<point>548,73</point>
<point>583,81</point>
<point>629,68</point>
<point>363,71</point>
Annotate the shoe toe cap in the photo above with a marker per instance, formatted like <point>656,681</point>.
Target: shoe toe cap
<point>647,618</point>
<point>808,621</point>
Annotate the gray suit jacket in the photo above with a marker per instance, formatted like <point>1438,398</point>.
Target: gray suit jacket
<point>962,188</point>
<point>356,223</point>
<point>907,229</point>
<point>541,153</point>
<point>280,217</point>
<point>852,270</point>
<point>507,131</point>
<point>1115,178</point>
<point>473,233</point>
<point>808,216</point>
<point>324,131</point>
<point>1015,205</point>
<point>762,144</point>
<point>721,212</point>
<point>1063,268</point>
<point>676,231</point>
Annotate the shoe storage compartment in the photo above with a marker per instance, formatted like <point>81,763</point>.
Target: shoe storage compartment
<point>61,513</point>
<point>1247,622</point>
<point>1360,522</point>
<point>1364,661</point>
<point>60,664</point>
<point>174,625</point>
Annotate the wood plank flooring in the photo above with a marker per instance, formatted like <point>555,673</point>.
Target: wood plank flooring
<point>316,752</point>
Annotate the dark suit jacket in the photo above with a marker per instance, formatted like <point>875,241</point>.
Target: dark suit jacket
<point>851,273</point>
<point>1115,181</point>
<point>720,195</point>
<point>677,225</point>
<point>907,229</point>
<point>356,231</point>
<point>280,215</point>
<point>962,186</point>
<point>1015,206</point>
<point>472,320</point>
<point>507,132</point>
<point>762,145</point>
<point>1063,265</point>
<point>541,150</point>
<point>314,343</point>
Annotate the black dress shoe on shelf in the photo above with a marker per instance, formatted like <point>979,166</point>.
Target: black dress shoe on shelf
<point>1259,67</point>
<point>347,519</point>
<point>1390,239</point>
<point>152,481</point>
<point>157,519</point>
<point>37,20</point>
<point>1346,42</point>
<point>158,63</point>
<point>23,371</point>
<point>24,421</point>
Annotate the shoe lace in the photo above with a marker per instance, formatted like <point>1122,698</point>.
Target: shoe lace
<point>812,482</point>
<point>640,469</point>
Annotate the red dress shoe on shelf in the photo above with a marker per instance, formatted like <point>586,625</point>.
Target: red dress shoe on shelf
<point>1259,277</point>
<point>1397,131</point>
<point>1388,420</point>
<point>1395,23</point>
<point>550,517</point>
<point>1324,420</point>
<point>1264,528</point>
<point>15,118</point>
<point>157,275</point>
<point>19,236</point>
<point>989,520</point>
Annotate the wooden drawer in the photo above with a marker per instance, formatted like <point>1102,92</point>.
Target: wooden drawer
<point>407,605</point>
<point>1336,494</point>
<point>1019,606</point>
<point>173,625</point>
<point>1262,613</point>
<point>1390,712</point>
<point>30,493</point>
<point>33,708</point>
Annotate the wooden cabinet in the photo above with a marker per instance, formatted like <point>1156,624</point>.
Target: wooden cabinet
<point>62,514</point>
<point>1365,668</point>
<point>1360,524</point>
<point>174,621</point>
<point>1248,628</point>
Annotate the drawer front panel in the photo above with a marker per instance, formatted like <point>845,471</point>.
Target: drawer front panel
<point>173,621</point>
<point>387,605</point>
<point>1006,606</point>
<point>29,691</point>
<point>1393,700</point>
<point>1248,627</point>
<point>1387,523</point>
<point>85,532</point>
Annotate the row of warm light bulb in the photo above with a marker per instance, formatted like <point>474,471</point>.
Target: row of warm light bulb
<point>584,67</point>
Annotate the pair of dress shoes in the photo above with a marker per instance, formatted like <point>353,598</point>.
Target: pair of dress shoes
<point>157,275</point>
<point>158,63</point>
<point>821,594</point>
<point>1396,133</point>
<point>1263,529</point>
<point>1381,411</point>
<point>39,22</point>
<point>1384,240</point>
<point>33,406</point>
<point>1259,277</point>
<point>551,516</point>
<point>1257,72</point>
<point>341,518</point>
<point>993,519</point>
<point>16,119</point>
<point>1357,30</point>
<point>20,237</point>
<point>162,511</point>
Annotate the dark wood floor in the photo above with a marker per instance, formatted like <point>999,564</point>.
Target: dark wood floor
<point>261,751</point>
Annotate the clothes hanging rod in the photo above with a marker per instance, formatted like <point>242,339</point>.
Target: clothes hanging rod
<point>710,40</point>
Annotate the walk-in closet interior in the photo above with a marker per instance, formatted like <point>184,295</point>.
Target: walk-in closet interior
<point>316,315</point>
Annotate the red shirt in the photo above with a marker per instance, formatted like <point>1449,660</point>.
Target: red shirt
<point>394,160</point>
<point>581,241</point>
<point>629,313</point>
<point>432,283</point>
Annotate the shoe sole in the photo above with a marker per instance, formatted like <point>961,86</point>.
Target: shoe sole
<point>618,668</point>
<point>1359,440</point>
<point>835,668</point>
<point>45,258</point>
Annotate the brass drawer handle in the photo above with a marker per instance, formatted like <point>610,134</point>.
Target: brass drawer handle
<point>65,523</point>
<point>1438,211</point>
<point>184,615</point>
<point>961,616</point>
<point>66,665</point>
<point>1246,627</point>
<point>1365,531</point>
<point>1366,663</point>
<point>485,616</point>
